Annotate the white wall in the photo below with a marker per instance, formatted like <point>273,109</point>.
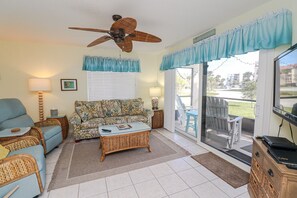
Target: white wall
<point>20,61</point>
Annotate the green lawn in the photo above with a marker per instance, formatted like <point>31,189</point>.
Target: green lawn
<point>244,109</point>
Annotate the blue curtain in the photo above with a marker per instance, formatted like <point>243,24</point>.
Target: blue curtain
<point>107,64</point>
<point>268,32</point>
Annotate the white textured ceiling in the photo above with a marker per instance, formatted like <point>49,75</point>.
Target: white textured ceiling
<point>171,20</point>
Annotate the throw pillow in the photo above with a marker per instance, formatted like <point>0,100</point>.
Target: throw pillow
<point>3,152</point>
<point>132,107</point>
<point>111,108</point>
<point>95,109</point>
<point>83,112</point>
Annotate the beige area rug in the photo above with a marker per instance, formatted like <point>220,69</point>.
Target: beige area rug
<point>80,162</point>
<point>228,172</point>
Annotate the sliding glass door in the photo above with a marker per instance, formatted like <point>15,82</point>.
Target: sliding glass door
<point>229,97</point>
<point>186,100</point>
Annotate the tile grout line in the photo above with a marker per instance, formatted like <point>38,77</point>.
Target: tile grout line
<point>185,169</point>
<point>158,181</point>
<point>220,189</point>
<point>106,186</point>
<point>133,184</point>
<point>227,184</point>
<point>207,180</point>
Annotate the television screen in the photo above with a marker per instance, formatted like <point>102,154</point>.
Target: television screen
<point>285,85</point>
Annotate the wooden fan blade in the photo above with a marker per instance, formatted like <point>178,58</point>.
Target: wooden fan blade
<point>126,45</point>
<point>128,24</point>
<point>144,37</point>
<point>89,29</point>
<point>99,40</point>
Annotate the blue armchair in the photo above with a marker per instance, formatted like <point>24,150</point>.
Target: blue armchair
<point>13,114</point>
<point>24,168</point>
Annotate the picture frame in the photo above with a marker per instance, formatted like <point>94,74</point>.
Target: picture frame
<point>68,84</point>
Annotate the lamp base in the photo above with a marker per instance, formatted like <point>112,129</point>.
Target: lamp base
<point>40,106</point>
<point>155,103</point>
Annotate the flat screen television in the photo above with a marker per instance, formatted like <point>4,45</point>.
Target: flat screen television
<point>285,85</point>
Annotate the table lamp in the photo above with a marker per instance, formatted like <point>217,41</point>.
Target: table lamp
<point>155,92</point>
<point>40,85</point>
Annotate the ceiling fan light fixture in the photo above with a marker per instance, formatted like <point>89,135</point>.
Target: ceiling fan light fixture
<point>123,32</point>
<point>116,17</point>
<point>118,39</point>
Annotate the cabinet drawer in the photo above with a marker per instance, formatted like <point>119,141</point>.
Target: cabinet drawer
<point>272,174</point>
<point>254,184</point>
<point>258,154</point>
<point>269,188</point>
<point>257,170</point>
<point>255,187</point>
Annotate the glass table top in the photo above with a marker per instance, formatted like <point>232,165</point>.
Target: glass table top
<point>8,133</point>
<point>115,129</point>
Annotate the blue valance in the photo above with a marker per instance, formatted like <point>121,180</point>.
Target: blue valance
<point>268,32</point>
<point>107,64</point>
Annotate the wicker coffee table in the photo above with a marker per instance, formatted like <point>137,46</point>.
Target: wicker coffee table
<point>138,136</point>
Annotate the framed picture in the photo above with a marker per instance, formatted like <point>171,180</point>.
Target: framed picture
<point>68,85</point>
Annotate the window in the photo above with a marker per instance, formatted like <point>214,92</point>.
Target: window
<point>111,85</point>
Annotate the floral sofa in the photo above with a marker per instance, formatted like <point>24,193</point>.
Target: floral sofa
<point>89,115</point>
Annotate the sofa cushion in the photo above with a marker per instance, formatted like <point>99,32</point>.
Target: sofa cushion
<point>115,120</point>
<point>50,131</point>
<point>20,121</point>
<point>137,118</point>
<point>95,109</point>
<point>93,123</point>
<point>11,108</point>
<point>132,107</point>
<point>83,112</point>
<point>111,108</point>
<point>36,151</point>
<point>89,110</point>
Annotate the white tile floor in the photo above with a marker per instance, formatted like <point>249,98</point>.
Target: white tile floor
<point>180,178</point>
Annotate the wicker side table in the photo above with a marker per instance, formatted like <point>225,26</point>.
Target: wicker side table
<point>64,123</point>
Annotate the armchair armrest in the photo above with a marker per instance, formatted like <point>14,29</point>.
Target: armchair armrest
<point>148,112</point>
<point>20,142</point>
<point>75,119</point>
<point>16,167</point>
<point>37,133</point>
<point>236,119</point>
<point>36,129</point>
<point>235,129</point>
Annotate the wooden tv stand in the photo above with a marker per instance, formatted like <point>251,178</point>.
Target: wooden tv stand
<point>268,179</point>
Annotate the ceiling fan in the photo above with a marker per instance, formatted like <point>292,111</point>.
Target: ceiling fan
<point>123,32</point>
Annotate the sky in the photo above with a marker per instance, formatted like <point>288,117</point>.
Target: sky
<point>234,65</point>
<point>290,58</point>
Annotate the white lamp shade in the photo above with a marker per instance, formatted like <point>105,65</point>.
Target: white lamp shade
<point>39,84</point>
<point>155,91</point>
